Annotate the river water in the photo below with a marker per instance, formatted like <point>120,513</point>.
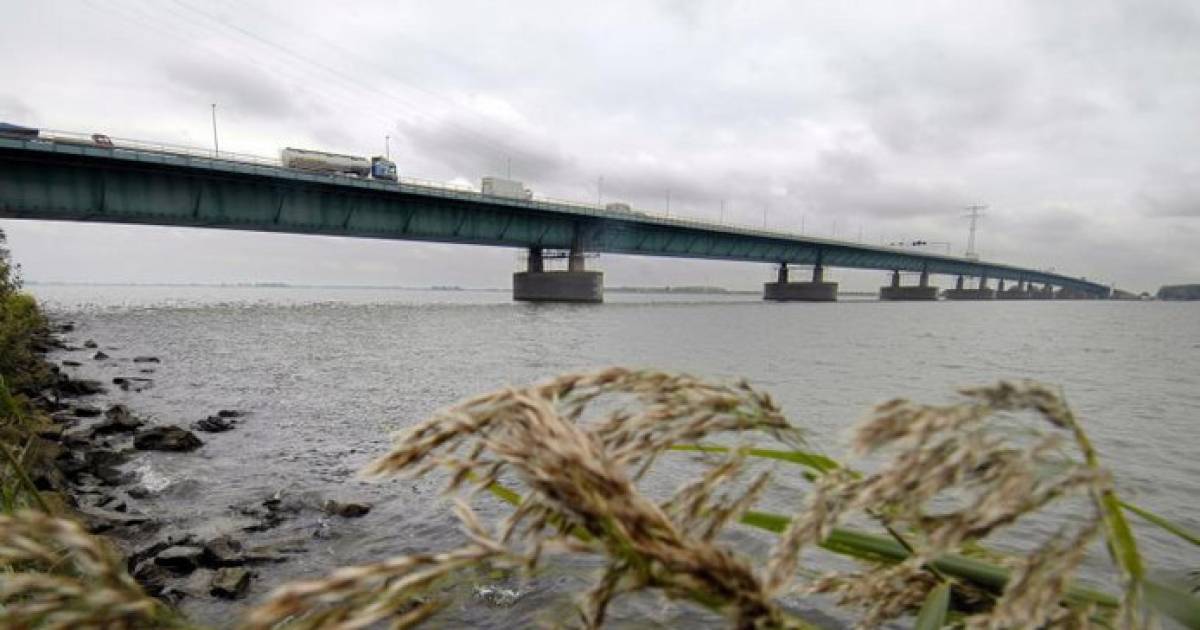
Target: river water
<point>328,374</point>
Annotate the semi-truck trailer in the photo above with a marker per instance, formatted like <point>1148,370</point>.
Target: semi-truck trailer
<point>338,164</point>
<point>507,188</point>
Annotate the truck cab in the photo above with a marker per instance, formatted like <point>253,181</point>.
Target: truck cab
<point>383,168</point>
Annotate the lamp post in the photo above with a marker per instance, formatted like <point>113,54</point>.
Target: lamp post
<point>216,146</point>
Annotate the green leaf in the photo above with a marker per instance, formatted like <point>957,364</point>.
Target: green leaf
<point>933,611</point>
<point>1174,602</point>
<point>1178,530</point>
<point>819,463</point>
<point>876,548</point>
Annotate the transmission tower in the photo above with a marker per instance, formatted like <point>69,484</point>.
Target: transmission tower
<point>973,213</point>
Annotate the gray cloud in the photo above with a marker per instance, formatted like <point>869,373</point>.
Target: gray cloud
<point>245,87</point>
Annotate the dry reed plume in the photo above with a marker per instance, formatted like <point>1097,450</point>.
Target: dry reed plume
<point>580,474</point>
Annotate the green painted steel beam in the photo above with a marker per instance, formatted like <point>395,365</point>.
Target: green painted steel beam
<point>55,181</point>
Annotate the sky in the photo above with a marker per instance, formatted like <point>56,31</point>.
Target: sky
<point>1077,123</point>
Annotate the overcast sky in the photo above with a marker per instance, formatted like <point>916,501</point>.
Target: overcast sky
<point>1077,123</point>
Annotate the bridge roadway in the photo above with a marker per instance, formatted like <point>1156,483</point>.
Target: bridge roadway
<point>147,184</point>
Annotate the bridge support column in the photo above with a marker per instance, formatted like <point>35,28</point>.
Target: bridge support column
<point>816,291</point>
<point>573,285</point>
<point>981,292</point>
<point>1016,292</point>
<point>923,292</point>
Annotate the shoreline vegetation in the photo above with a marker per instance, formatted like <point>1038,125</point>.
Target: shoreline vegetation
<point>569,453</point>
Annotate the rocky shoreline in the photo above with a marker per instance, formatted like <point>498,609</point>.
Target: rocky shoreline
<point>87,446</point>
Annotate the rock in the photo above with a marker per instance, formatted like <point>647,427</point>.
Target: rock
<point>70,363</point>
<point>229,413</point>
<point>230,583</point>
<point>66,327</point>
<point>151,576</point>
<point>87,411</point>
<point>98,520</point>
<point>63,417</point>
<point>138,492</point>
<point>90,344</point>
<point>222,551</point>
<point>346,510</point>
<point>51,432</point>
<point>79,387</point>
<point>148,552</point>
<point>99,356</point>
<point>179,559</point>
<point>145,359</point>
<point>133,383</point>
<point>118,419</point>
<point>213,424</point>
<point>146,370</point>
<point>168,438</point>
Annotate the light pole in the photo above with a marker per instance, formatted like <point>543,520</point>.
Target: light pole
<point>668,203</point>
<point>600,191</point>
<point>216,147</point>
<point>387,147</point>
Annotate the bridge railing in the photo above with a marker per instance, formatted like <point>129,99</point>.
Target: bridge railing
<point>119,144</point>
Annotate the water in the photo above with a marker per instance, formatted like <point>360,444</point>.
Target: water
<point>328,374</point>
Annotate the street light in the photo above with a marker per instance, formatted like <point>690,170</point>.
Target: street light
<point>216,147</point>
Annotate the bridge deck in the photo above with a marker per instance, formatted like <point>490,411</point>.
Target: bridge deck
<point>49,180</point>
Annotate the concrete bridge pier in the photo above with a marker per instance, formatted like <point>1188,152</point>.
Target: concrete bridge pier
<point>982,292</point>
<point>1044,293</point>
<point>576,284</point>
<point>896,292</point>
<point>1016,292</point>
<point>816,291</point>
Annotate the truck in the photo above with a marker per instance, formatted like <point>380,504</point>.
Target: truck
<point>321,162</point>
<point>383,168</point>
<point>506,188</point>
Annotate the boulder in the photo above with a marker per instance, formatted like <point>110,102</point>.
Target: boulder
<point>213,424</point>
<point>346,510</point>
<point>230,413</point>
<point>78,387</point>
<point>168,438</point>
<point>87,411</point>
<point>133,383</point>
<point>145,359</point>
<point>90,344</point>
<point>230,583</point>
<point>222,551</point>
<point>70,363</point>
<point>179,559</point>
<point>117,419</point>
<point>98,520</point>
<point>99,356</point>
<point>151,576</point>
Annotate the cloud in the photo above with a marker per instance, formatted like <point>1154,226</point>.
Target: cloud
<point>246,88</point>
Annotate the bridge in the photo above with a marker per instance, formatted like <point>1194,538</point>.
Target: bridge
<point>70,177</point>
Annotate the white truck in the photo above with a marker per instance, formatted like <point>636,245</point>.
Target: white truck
<point>321,162</point>
<point>507,188</point>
